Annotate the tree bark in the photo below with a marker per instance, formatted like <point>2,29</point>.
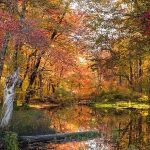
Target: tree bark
<point>140,75</point>
<point>31,80</point>
<point>15,56</point>
<point>120,80</point>
<point>131,81</point>
<point>41,86</point>
<point>9,93</point>
<point>18,44</point>
<point>3,52</point>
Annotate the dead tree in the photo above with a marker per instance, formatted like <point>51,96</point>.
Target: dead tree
<point>9,93</point>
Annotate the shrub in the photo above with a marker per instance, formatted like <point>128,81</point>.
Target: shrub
<point>115,95</point>
<point>10,141</point>
<point>63,94</point>
<point>143,98</point>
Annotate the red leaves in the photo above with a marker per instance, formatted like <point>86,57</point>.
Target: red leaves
<point>31,34</point>
<point>11,26</point>
<point>146,22</point>
<point>26,31</point>
<point>146,15</point>
<point>8,23</point>
<point>62,57</point>
<point>37,38</point>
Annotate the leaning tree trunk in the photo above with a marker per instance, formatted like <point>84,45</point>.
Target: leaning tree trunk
<point>31,80</point>
<point>9,93</point>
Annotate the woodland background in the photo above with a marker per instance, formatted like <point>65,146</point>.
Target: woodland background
<point>67,50</point>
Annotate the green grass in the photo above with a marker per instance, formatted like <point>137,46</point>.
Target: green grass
<point>10,140</point>
<point>123,105</point>
<point>116,96</point>
<point>30,122</point>
<point>121,100</point>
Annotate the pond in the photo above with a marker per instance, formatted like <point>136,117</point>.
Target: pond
<point>121,129</point>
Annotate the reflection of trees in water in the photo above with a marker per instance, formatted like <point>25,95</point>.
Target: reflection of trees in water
<point>71,118</point>
<point>133,133</point>
<point>124,129</point>
<point>127,129</point>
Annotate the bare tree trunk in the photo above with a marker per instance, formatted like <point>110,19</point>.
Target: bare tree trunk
<point>3,52</point>
<point>15,56</point>
<point>120,80</point>
<point>31,80</point>
<point>140,75</point>
<point>131,81</point>
<point>18,44</point>
<point>9,93</point>
<point>41,86</point>
<point>28,64</point>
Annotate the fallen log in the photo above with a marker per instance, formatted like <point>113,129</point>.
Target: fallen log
<point>59,137</point>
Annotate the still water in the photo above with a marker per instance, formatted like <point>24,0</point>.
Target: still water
<point>121,129</point>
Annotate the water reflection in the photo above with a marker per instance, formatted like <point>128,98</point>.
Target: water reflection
<point>122,129</point>
<point>89,145</point>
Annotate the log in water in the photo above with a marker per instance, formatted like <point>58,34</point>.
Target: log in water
<point>60,137</point>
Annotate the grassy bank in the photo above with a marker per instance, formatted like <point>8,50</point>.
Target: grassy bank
<point>121,99</point>
<point>30,121</point>
<point>123,105</point>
